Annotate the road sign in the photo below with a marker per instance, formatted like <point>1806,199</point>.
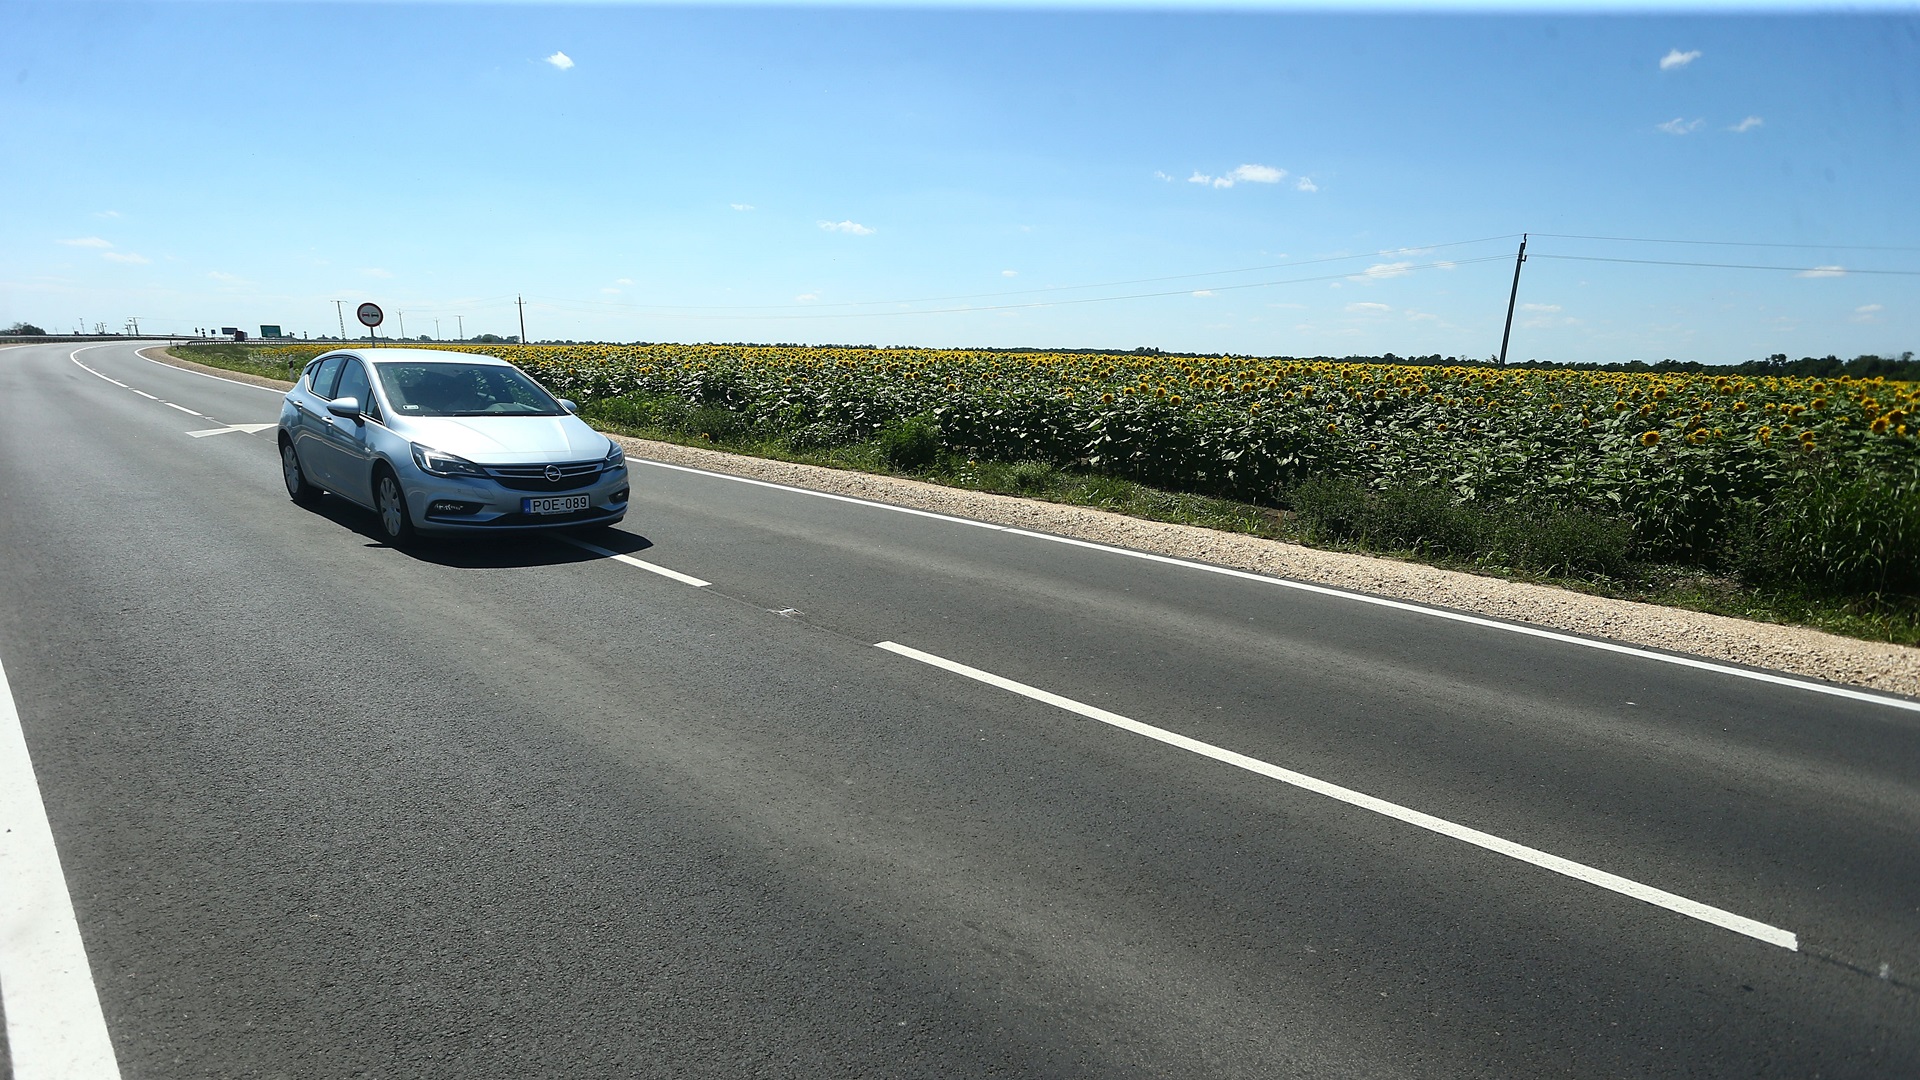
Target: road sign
<point>369,314</point>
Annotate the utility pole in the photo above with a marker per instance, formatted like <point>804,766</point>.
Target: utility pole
<point>522,305</point>
<point>436,329</point>
<point>1519,261</point>
<point>340,313</point>
<point>461,322</point>
<point>403,325</point>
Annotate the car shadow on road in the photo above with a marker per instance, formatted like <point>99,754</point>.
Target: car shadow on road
<point>488,552</point>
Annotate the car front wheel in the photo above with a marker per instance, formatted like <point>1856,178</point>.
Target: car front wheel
<point>391,503</point>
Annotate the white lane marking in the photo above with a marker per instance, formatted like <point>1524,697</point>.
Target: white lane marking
<point>652,568</point>
<point>246,428</point>
<point>1326,590</point>
<point>142,354</point>
<point>1739,924</point>
<point>54,1025</point>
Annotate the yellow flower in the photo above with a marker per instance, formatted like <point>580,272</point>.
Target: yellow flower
<point>1880,426</point>
<point>1174,400</point>
<point>1765,435</point>
<point>1649,438</point>
<point>1106,399</point>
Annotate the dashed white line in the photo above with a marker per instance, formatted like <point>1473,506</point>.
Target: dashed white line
<point>1325,590</point>
<point>144,394</point>
<point>651,568</point>
<point>1727,920</point>
<point>182,408</point>
<point>55,1030</point>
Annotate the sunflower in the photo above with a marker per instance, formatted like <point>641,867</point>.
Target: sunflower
<point>1649,438</point>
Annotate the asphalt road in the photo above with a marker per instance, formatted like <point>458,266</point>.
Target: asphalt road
<point>327,808</point>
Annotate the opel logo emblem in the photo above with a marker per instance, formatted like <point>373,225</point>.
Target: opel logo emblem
<point>553,474</point>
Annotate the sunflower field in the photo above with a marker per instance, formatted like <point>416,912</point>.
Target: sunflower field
<point>1806,480</point>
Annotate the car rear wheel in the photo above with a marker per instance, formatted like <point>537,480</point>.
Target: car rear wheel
<point>391,503</point>
<point>297,487</point>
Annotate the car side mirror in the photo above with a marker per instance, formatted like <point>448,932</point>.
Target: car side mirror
<point>346,408</point>
<point>568,405</point>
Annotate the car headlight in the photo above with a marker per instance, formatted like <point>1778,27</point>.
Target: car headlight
<point>615,458</point>
<point>444,464</point>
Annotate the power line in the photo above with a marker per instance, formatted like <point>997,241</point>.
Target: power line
<point>1422,249</point>
<point>1398,271</point>
<point>1826,271</point>
<point>1727,243</point>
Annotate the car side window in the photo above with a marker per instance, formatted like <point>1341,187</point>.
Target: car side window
<point>324,377</point>
<point>353,384</point>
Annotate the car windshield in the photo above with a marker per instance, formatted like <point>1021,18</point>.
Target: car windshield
<point>464,390</point>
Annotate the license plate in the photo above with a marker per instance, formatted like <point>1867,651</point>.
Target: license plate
<point>554,504</point>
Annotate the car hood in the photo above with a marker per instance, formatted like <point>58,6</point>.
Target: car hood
<point>505,440</point>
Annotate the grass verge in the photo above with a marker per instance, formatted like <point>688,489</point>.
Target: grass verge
<point>232,357</point>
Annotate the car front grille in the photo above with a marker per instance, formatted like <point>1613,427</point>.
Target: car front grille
<point>573,476</point>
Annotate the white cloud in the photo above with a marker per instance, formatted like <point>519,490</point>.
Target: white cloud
<point>743,207</point>
<point>1251,174</point>
<point>375,272</point>
<point>1746,125</point>
<point>1422,316</point>
<point>109,214</point>
<point>1384,270</point>
<point>623,281</point>
<point>610,290</point>
<point>125,257</point>
<point>1540,307</point>
<point>852,227</point>
<point>1367,307</point>
<point>1306,185</point>
<point>221,276</point>
<point>1678,59</point>
<point>87,242</point>
<point>1823,271</point>
<point>1444,265</point>
<point>1681,126</point>
<point>560,60</point>
<point>1867,313</point>
<point>1203,292</point>
<point>804,297</point>
<point>1158,175</point>
<point>1009,273</point>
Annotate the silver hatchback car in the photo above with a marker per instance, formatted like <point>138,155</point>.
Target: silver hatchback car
<point>445,442</point>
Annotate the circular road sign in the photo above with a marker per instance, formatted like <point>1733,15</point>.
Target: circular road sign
<point>369,314</point>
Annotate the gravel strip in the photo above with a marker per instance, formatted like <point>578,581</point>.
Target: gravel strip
<point>1893,669</point>
<point>1796,650</point>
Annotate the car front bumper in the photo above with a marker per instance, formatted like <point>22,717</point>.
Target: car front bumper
<point>462,504</point>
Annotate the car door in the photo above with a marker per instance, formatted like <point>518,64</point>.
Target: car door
<point>344,440</point>
<point>310,427</point>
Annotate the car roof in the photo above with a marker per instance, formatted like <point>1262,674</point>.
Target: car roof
<point>419,356</point>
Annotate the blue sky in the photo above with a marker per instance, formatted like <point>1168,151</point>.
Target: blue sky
<point>1273,181</point>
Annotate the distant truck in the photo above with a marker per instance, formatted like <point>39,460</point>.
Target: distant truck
<point>234,332</point>
<point>270,331</point>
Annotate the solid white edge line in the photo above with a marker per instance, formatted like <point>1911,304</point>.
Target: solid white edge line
<point>1727,920</point>
<point>1343,594</point>
<point>142,354</point>
<point>55,1030</point>
<point>652,568</point>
